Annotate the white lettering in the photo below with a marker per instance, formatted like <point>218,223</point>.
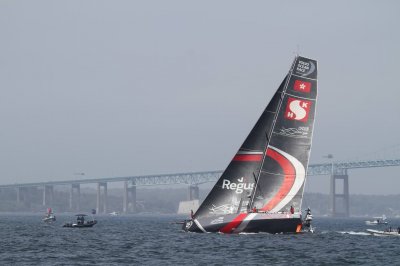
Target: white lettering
<point>303,66</point>
<point>237,187</point>
<point>225,183</point>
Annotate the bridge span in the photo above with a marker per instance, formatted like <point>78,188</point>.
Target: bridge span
<point>336,171</point>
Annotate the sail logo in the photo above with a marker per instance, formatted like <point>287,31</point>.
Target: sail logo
<point>219,220</point>
<point>305,68</point>
<point>302,86</point>
<point>237,187</point>
<point>297,110</point>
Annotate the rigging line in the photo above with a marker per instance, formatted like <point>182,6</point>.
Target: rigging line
<point>272,129</point>
<point>261,191</point>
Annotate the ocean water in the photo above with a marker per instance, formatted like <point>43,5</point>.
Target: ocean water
<point>155,240</point>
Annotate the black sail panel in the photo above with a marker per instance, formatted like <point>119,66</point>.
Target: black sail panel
<point>282,177</point>
<point>231,193</point>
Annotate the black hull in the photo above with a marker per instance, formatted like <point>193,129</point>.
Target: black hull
<point>85,225</point>
<point>246,223</point>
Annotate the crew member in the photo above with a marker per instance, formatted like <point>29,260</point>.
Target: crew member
<point>291,209</point>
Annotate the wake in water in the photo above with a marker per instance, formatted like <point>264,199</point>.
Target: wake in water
<point>354,233</point>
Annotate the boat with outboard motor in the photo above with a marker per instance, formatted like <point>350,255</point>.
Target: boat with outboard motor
<point>262,188</point>
<point>80,222</point>
<point>378,221</point>
<point>50,217</point>
<point>388,232</point>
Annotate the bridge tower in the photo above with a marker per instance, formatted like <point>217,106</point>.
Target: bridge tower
<point>100,198</point>
<point>48,195</point>
<point>340,198</point>
<point>74,203</point>
<point>193,192</point>
<point>129,204</point>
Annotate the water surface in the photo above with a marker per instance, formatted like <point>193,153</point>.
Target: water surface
<point>154,240</point>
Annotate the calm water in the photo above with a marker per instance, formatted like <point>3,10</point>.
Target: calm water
<point>153,240</point>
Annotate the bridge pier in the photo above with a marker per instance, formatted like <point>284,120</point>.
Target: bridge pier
<point>129,204</point>
<point>48,195</point>
<point>193,192</point>
<point>335,197</point>
<point>23,195</point>
<point>26,195</point>
<point>18,194</point>
<point>125,203</point>
<point>100,199</point>
<point>75,204</point>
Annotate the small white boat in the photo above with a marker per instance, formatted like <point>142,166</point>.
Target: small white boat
<point>114,213</point>
<point>50,217</point>
<point>387,232</point>
<point>377,221</point>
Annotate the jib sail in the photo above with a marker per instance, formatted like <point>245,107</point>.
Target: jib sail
<point>268,171</point>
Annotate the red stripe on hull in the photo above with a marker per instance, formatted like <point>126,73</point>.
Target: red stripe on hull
<point>248,157</point>
<point>288,180</point>
<point>233,224</point>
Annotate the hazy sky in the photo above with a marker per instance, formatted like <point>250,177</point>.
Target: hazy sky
<point>116,88</point>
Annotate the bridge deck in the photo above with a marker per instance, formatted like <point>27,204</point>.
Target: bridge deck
<point>209,176</point>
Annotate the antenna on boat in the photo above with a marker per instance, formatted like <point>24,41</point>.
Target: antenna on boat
<point>298,50</point>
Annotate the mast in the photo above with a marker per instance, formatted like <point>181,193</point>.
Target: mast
<point>269,134</point>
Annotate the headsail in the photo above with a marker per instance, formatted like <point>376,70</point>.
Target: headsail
<point>268,172</point>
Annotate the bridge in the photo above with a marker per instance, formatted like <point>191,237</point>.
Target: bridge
<point>336,171</point>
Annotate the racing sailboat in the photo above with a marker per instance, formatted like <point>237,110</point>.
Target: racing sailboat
<point>261,190</point>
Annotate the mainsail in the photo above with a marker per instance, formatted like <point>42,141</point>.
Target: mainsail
<point>269,170</point>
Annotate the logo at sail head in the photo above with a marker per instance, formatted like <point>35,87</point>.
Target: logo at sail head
<point>305,68</point>
<point>297,109</point>
<point>237,187</point>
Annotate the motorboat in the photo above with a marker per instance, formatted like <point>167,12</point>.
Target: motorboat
<point>377,221</point>
<point>80,222</point>
<point>388,232</point>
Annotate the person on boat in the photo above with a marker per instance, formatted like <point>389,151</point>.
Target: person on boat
<point>191,214</point>
<point>291,209</point>
<point>80,219</point>
<point>254,209</point>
